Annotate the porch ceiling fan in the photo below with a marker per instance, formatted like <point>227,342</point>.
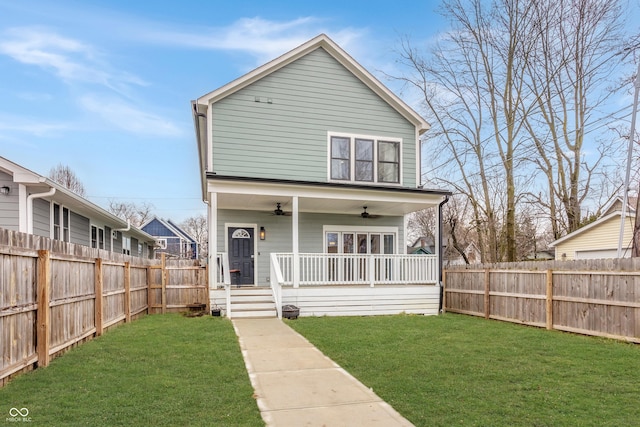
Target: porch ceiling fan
<point>279,212</point>
<point>367,215</point>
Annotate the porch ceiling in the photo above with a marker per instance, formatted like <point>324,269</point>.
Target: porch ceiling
<point>260,196</point>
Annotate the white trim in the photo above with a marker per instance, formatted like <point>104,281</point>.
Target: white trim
<point>227,226</point>
<point>52,224</point>
<point>360,229</point>
<point>352,158</point>
<point>324,42</point>
<point>212,221</point>
<point>22,208</point>
<point>588,227</point>
<point>418,152</point>
<point>374,229</point>
<point>162,243</point>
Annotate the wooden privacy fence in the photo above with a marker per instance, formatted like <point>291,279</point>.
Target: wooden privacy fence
<point>591,297</point>
<point>54,295</point>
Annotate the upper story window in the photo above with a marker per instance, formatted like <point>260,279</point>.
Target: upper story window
<point>364,159</point>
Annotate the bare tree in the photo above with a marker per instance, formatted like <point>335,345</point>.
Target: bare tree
<point>568,74</point>
<point>136,214</point>
<point>510,92</point>
<point>64,176</point>
<point>197,227</point>
<point>474,94</point>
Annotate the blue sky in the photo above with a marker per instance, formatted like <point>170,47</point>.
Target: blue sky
<point>105,86</point>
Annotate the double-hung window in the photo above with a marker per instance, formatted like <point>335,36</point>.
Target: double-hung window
<point>61,223</point>
<point>364,159</point>
<point>97,237</point>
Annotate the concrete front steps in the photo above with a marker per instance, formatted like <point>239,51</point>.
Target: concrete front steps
<point>247,302</point>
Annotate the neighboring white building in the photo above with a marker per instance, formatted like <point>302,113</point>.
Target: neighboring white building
<point>33,204</point>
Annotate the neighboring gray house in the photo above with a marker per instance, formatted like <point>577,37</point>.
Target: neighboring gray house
<point>171,239</point>
<point>309,167</point>
<point>31,203</point>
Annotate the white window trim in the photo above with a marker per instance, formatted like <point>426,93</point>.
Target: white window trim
<point>360,229</point>
<point>376,138</point>
<point>104,236</point>
<point>162,243</point>
<point>52,223</point>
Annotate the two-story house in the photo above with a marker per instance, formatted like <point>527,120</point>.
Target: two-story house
<point>309,167</point>
<point>31,203</point>
<point>172,240</point>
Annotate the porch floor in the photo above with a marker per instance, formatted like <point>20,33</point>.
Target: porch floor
<point>295,384</point>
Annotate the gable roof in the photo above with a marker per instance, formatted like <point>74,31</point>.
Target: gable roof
<point>588,227</point>
<point>616,205</point>
<point>172,227</point>
<point>324,42</point>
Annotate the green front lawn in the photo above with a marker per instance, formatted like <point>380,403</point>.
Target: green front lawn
<point>158,371</point>
<point>460,370</point>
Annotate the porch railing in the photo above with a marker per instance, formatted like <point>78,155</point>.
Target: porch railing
<point>223,277</point>
<point>276,280</point>
<point>358,269</point>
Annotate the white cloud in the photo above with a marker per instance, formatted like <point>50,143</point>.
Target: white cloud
<point>35,127</point>
<point>69,59</point>
<point>261,38</point>
<point>129,118</point>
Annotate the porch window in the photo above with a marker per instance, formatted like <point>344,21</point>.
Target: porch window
<point>367,243</point>
<point>364,159</point>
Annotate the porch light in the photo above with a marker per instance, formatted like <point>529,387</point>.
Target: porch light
<point>263,233</point>
<point>4,190</point>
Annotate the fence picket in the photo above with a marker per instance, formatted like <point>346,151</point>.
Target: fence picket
<point>54,295</point>
<point>591,297</point>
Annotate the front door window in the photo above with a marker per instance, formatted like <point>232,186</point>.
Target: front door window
<point>241,241</point>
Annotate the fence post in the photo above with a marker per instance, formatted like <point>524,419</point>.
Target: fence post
<point>206,282</point>
<point>127,292</point>
<point>98,296</point>
<point>487,294</point>
<point>549,299</point>
<point>163,276</point>
<point>149,290</point>
<point>43,314</point>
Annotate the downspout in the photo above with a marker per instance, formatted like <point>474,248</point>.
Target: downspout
<point>440,251</point>
<point>128,227</point>
<point>124,229</point>
<point>30,198</point>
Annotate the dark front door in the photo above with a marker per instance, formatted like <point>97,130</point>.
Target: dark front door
<point>241,255</point>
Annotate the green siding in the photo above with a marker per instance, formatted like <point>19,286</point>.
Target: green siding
<point>287,139</point>
<point>279,235</point>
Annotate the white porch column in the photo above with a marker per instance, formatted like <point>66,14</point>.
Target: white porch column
<point>213,239</point>
<point>295,245</point>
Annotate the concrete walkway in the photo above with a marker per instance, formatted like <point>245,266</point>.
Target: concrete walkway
<point>296,385</point>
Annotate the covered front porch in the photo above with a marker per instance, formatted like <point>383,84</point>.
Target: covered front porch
<point>336,284</point>
<point>314,248</point>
